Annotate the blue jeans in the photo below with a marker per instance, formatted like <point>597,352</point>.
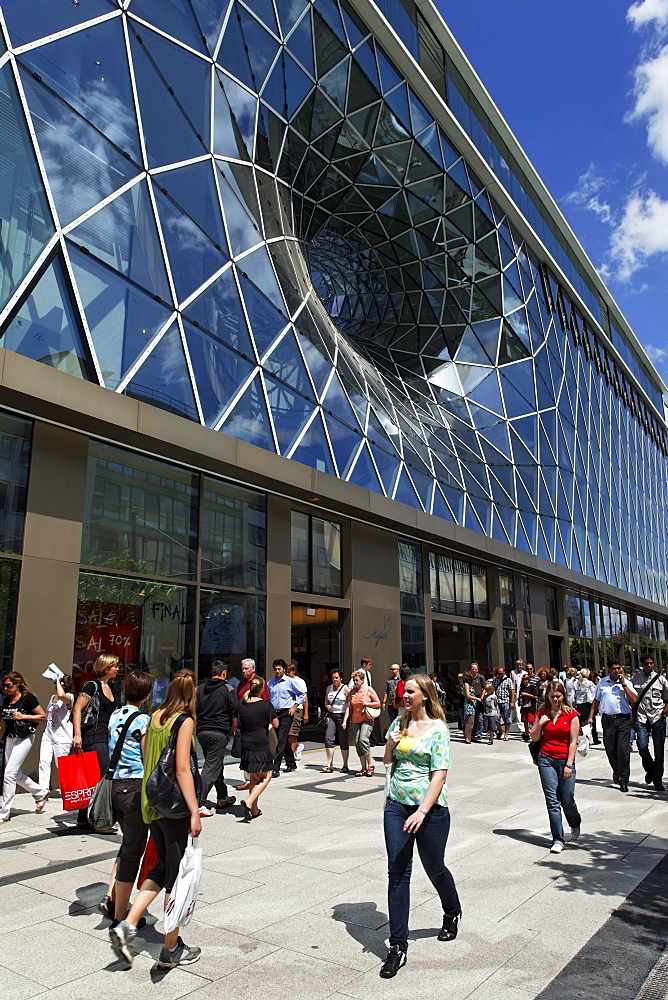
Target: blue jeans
<point>431,839</point>
<point>559,794</point>
<point>657,730</point>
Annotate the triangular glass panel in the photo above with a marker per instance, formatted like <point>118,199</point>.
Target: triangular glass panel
<point>122,319</point>
<point>329,50</point>
<point>24,233</point>
<point>313,449</point>
<point>234,52</point>
<point>388,466</point>
<point>364,473</point>
<point>289,410</point>
<point>337,401</point>
<point>365,56</point>
<point>285,362</point>
<point>428,139</point>
<point>163,379</point>
<point>330,12</point>
<point>439,506</point>
<point>398,102</point>
<point>424,486</point>
<point>218,372</point>
<point>82,167</point>
<point>228,137</point>
<point>173,17</point>
<point>318,364</point>
<point>210,15</point>
<point>26,22</point>
<point>344,443</point>
<point>471,520</point>
<point>487,394</point>
<point>193,187</point>
<point>160,65</point>
<point>192,255</point>
<point>90,71</point>
<point>218,309</point>
<point>419,114</point>
<point>248,419</point>
<point>265,11</point>
<point>360,91</point>
<point>388,74</point>
<point>45,327</point>
<point>241,227</point>
<point>300,44</point>
<point>508,519</point>
<point>516,404</point>
<point>335,83</point>
<point>123,234</point>
<point>257,267</point>
<point>498,531</point>
<point>405,491</point>
<point>265,321</point>
<point>290,13</point>
<point>297,84</point>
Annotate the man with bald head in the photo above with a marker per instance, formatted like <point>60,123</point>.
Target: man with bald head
<point>390,695</point>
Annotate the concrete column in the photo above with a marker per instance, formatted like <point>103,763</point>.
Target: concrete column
<point>279,580</point>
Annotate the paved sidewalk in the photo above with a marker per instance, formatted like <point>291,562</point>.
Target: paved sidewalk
<point>293,905</point>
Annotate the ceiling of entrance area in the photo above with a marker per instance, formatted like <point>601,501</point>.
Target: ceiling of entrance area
<point>241,212</point>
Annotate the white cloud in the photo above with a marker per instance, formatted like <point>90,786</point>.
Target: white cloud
<point>648,11</point>
<point>651,92</point>
<point>587,194</point>
<point>656,354</point>
<point>642,232</point>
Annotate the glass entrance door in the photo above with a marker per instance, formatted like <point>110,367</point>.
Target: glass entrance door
<point>455,648</point>
<point>316,649</point>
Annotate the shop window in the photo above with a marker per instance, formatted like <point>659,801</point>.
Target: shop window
<point>526,601</point>
<point>457,587</point>
<point>410,575</point>
<point>507,599</point>
<point>233,530</point>
<point>140,514</point>
<point>551,608</point>
<point>231,627</point>
<point>9,591</point>
<point>316,555</point>
<point>15,435</point>
<point>413,649</point>
<point>148,625</point>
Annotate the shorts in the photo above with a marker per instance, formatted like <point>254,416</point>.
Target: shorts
<point>171,839</point>
<point>489,723</point>
<point>296,723</point>
<point>506,712</point>
<point>528,715</point>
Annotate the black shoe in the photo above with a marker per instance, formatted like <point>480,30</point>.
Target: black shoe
<point>615,778</point>
<point>596,742</point>
<point>106,906</point>
<point>275,774</point>
<point>224,803</point>
<point>290,767</point>
<point>448,931</point>
<point>648,779</point>
<point>394,961</point>
<point>623,786</point>
<point>659,785</point>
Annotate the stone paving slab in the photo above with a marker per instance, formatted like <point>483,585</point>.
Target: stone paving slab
<point>294,904</point>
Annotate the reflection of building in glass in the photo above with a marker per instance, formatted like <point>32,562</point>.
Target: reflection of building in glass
<point>291,225</point>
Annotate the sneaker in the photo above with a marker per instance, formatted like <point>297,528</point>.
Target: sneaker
<point>298,751</point>
<point>182,955</point>
<point>224,803</point>
<point>396,958</point>
<point>140,923</point>
<point>557,847</point>
<point>575,832</point>
<point>122,936</point>
<point>448,931</point>
<point>275,774</point>
<point>206,811</point>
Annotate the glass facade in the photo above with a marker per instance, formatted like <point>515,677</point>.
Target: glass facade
<point>458,587</point>
<point>260,227</point>
<point>316,555</point>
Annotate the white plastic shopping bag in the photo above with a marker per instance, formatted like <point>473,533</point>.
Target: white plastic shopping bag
<point>584,740</point>
<point>182,901</point>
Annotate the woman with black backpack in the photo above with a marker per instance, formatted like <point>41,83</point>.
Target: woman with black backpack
<point>90,719</point>
<point>170,835</point>
<point>20,714</point>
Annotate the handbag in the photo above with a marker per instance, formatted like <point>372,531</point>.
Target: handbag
<point>91,710</point>
<point>534,750</point>
<point>371,713</point>
<point>78,774</point>
<point>101,814</point>
<point>162,789</point>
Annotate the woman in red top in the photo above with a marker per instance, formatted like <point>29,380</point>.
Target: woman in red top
<point>557,726</point>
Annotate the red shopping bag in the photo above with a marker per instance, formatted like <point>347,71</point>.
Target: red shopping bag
<point>78,774</point>
<point>149,861</point>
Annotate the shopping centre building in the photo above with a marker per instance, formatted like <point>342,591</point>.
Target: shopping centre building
<point>300,357</point>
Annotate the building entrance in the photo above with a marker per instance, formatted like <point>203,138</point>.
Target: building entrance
<point>316,643</point>
<point>455,648</point>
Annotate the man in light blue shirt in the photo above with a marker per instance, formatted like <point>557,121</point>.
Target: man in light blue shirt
<point>614,695</point>
<point>285,697</point>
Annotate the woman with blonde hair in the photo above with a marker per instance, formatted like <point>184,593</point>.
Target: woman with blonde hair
<point>557,727</point>
<point>360,697</point>
<point>90,719</point>
<point>254,717</point>
<point>20,714</point>
<point>416,812</point>
<point>170,835</point>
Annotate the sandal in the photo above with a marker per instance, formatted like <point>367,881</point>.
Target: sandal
<point>247,813</point>
<point>370,769</point>
<point>326,770</point>
<point>41,803</point>
<point>345,769</point>
<point>361,774</point>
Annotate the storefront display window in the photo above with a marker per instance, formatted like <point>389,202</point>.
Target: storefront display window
<point>231,627</point>
<point>9,588</point>
<point>233,535</point>
<point>316,555</point>
<point>15,436</point>
<point>410,576</point>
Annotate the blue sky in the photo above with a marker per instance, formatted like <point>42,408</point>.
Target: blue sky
<point>583,84</point>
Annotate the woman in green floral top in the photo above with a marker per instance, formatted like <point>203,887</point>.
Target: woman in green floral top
<point>416,811</point>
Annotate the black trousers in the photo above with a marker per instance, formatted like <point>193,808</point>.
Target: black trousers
<point>213,744</point>
<point>617,743</point>
<point>283,748</point>
<point>126,799</point>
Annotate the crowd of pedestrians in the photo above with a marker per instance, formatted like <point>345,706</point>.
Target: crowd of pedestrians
<point>260,723</point>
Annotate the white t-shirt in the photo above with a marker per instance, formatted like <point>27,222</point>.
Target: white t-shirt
<point>58,723</point>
